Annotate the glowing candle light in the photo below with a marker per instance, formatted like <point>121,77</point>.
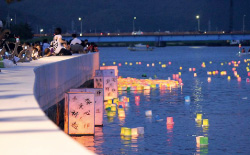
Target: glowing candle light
<point>229,63</point>
<point>209,79</point>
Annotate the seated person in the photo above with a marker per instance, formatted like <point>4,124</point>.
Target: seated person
<point>75,40</point>
<point>47,52</point>
<point>243,50</point>
<point>249,50</point>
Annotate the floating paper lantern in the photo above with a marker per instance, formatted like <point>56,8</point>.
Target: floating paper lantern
<point>174,76</point>
<point>195,74</point>
<point>229,78</point>
<point>169,63</point>
<point>139,63</point>
<point>121,113</point>
<point>198,117</point>
<point>147,65</point>
<point>134,132</point>
<point>190,69</point>
<point>248,74</point>
<point>122,130</point>
<point>159,63</point>
<point>120,64</point>
<point>247,80</point>
<point>130,63</point>
<point>114,63</point>
<point>127,132</point>
<point>137,98</point>
<point>140,130</point>
<point>148,113</point>
<point>179,73</point>
<point>187,98</point>
<point>153,64</point>
<point>180,68</point>
<point>205,123</point>
<point>203,140</point>
<point>209,73</point>
<point>194,69</point>
<point>239,79</point>
<point>170,121</point>
<point>209,79</point>
<point>136,63</point>
<point>103,64</point>
<point>126,63</point>
<point>113,107</point>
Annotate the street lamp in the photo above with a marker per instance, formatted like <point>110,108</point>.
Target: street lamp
<point>198,18</point>
<point>41,31</point>
<point>80,19</point>
<point>243,28</point>
<point>134,24</point>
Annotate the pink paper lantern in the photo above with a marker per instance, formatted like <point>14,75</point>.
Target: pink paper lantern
<point>170,121</point>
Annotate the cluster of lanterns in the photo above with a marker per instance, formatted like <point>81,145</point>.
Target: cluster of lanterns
<point>202,140</point>
<point>133,84</point>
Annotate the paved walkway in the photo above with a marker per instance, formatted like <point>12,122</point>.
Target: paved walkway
<point>24,128</point>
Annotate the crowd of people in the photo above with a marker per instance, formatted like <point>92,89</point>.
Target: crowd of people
<point>57,47</point>
<point>244,51</point>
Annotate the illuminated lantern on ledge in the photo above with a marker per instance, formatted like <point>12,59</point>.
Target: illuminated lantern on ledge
<point>148,113</point>
<point>134,132</point>
<point>107,80</point>
<point>127,132</point>
<point>98,103</point>
<point>79,114</point>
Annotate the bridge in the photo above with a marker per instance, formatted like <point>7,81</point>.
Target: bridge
<point>162,37</point>
<point>158,36</point>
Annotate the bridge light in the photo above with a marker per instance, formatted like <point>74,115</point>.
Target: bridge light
<point>197,17</point>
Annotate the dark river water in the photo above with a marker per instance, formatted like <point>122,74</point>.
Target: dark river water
<point>225,103</point>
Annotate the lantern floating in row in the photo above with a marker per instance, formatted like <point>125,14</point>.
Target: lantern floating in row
<point>205,123</point>
<point>148,113</point>
<point>198,117</point>
<point>170,121</point>
<point>187,98</point>
<point>201,140</point>
<point>209,79</point>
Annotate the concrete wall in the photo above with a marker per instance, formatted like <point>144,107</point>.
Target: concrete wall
<point>28,87</point>
<point>54,79</point>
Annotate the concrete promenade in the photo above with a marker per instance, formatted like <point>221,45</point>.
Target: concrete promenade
<point>29,88</point>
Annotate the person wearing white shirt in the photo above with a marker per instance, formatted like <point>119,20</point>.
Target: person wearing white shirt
<point>75,40</point>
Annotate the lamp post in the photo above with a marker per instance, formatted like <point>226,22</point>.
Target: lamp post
<point>243,26</point>
<point>80,19</point>
<point>134,24</point>
<point>41,31</point>
<point>198,18</point>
